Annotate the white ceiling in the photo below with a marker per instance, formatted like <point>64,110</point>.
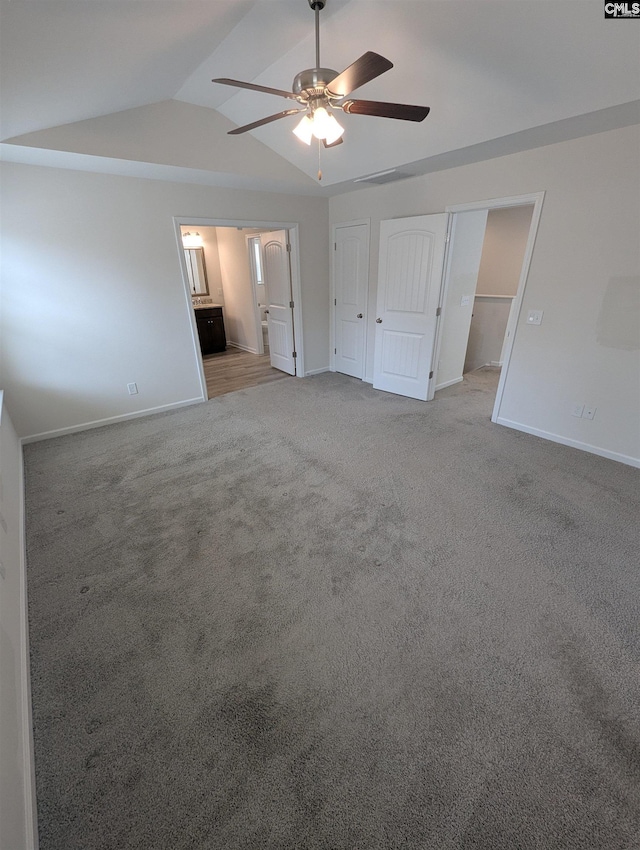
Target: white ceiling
<point>491,70</point>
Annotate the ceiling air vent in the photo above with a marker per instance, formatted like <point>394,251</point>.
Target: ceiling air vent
<point>382,177</point>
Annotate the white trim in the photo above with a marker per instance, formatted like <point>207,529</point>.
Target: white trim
<point>449,384</point>
<point>566,441</point>
<point>249,239</point>
<point>296,294</point>
<point>29,771</point>
<point>497,363</point>
<point>110,420</point>
<point>432,387</point>
<point>497,203</point>
<point>243,347</point>
<point>332,307</point>
<point>318,371</point>
<point>195,340</point>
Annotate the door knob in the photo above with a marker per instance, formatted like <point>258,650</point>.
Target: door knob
<point>378,321</point>
<point>266,311</point>
<point>359,316</point>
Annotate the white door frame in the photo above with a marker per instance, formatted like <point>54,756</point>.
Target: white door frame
<point>254,280</point>
<point>296,287</point>
<point>332,317</point>
<point>536,199</point>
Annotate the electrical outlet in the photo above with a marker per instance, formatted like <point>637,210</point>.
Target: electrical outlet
<point>132,388</point>
<point>577,410</point>
<point>465,301</point>
<point>589,412</point>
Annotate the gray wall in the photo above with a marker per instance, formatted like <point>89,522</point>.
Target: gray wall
<point>93,297</point>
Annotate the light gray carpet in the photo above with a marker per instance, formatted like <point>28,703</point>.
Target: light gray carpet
<point>311,615</point>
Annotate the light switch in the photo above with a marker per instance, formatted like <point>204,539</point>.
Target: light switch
<point>534,317</point>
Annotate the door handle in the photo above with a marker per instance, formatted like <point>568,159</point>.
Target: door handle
<point>266,311</point>
<point>378,321</point>
<point>359,316</point>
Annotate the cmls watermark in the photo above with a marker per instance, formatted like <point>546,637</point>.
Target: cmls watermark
<point>621,10</point>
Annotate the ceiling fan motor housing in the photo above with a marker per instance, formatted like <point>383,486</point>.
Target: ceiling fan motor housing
<point>312,82</point>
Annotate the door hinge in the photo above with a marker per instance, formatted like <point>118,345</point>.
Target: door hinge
<point>335,302</point>
<point>288,247</point>
<point>335,350</point>
<point>294,354</point>
<point>439,311</point>
<point>430,375</point>
<point>335,246</point>
<point>291,304</point>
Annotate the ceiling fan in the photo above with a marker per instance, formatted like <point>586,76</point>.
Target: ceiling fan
<point>320,90</point>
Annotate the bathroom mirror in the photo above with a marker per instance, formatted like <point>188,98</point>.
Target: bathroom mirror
<point>196,271</point>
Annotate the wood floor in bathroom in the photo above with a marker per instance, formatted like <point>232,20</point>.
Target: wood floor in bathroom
<point>234,369</point>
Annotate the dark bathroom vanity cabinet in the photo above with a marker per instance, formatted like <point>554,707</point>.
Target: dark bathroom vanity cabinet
<point>210,325</point>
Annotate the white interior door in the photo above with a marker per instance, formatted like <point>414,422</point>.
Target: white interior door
<point>277,275</point>
<point>461,279</point>
<point>409,277</point>
<point>351,276</point>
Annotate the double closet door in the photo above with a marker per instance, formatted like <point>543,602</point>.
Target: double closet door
<point>409,275</point>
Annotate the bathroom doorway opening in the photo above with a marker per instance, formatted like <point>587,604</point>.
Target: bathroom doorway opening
<point>231,296</point>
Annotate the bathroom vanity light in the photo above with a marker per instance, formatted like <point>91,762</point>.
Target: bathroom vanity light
<point>191,240</point>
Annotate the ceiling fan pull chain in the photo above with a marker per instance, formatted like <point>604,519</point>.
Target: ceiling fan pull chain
<point>319,163</point>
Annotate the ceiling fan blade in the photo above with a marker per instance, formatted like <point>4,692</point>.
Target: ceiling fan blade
<point>240,85</point>
<point>402,111</point>
<point>262,121</point>
<point>333,144</point>
<point>369,66</point>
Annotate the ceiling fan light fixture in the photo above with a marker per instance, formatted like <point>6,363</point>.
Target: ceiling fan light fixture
<point>330,128</point>
<point>325,125</point>
<point>321,124</point>
<point>304,130</point>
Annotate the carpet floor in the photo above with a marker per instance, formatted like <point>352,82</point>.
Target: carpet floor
<point>312,615</point>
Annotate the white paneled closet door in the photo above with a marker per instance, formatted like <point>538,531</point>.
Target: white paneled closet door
<point>351,278</point>
<point>409,278</point>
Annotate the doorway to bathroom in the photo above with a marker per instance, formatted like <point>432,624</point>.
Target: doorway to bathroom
<point>230,259</point>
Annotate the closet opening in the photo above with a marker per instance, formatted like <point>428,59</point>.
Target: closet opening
<point>486,268</point>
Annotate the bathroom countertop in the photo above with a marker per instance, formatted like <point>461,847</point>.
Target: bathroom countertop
<point>205,306</point>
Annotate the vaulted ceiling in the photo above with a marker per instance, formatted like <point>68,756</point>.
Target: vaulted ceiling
<point>124,86</point>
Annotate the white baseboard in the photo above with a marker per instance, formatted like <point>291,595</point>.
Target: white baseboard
<point>28,752</point>
<point>567,441</point>
<point>111,420</point>
<point>497,363</point>
<point>242,347</point>
<point>316,371</point>
<point>448,384</point>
